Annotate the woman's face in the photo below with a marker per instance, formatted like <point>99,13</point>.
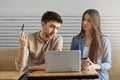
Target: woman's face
<point>87,24</point>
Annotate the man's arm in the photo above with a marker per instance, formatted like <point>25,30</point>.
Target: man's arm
<point>59,44</point>
<point>22,57</point>
<point>38,67</point>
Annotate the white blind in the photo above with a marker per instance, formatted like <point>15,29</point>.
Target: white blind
<point>11,25</point>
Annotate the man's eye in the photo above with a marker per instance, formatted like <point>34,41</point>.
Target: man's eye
<point>57,27</point>
<point>54,27</point>
<point>51,26</point>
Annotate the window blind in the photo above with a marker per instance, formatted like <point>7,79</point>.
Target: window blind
<point>11,25</point>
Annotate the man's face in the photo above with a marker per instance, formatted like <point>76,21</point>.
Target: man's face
<point>50,28</point>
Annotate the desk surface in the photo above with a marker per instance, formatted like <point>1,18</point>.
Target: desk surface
<point>64,75</point>
<point>10,75</point>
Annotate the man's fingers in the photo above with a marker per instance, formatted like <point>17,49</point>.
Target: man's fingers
<point>22,36</point>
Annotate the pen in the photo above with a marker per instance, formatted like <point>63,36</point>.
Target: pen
<point>22,27</point>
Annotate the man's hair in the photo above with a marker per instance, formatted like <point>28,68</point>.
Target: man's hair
<point>51,16</point>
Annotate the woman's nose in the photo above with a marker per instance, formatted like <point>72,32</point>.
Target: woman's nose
<point>85,22</point>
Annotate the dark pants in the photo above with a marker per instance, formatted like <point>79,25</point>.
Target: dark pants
<point>24,77</point>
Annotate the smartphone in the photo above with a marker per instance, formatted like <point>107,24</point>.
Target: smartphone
<point>22,28</point>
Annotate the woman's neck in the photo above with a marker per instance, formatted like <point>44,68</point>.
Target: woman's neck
<point>87,34</point>
<point>88,39</point>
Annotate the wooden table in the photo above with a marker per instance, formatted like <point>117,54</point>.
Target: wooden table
<point>10,75</point>
<point>63,75</point>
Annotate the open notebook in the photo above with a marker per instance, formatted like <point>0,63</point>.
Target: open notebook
<point>62,61</point>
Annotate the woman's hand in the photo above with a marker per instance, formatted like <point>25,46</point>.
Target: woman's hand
<point>94,67</point>
<point>85,64</point>
<point>89,65</point>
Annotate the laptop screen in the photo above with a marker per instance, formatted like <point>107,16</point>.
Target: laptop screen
<point>62,61</point>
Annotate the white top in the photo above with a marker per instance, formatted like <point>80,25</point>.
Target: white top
<point>85,52</point>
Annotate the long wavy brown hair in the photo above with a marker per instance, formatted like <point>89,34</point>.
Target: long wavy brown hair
<point>96,44</point>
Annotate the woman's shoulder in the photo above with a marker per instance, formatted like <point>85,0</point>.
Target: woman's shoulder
<point>105,39</point>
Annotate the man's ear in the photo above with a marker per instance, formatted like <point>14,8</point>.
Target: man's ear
<point>43,24</point>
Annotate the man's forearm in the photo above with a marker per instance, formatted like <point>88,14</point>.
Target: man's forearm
<point>21,56</point>
<point>39,67</point>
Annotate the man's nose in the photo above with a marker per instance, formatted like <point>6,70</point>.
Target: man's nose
<point>54,30</point>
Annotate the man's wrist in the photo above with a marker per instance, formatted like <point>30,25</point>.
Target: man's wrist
<point>22,47</point>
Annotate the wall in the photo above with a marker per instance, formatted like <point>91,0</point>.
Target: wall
<point>64,7</point>
<point>13,13</point>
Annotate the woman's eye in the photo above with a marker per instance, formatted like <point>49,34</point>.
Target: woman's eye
<point>89,20</point>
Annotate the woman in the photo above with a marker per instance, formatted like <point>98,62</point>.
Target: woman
<point>93,44</point>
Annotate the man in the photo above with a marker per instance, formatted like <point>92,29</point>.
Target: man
<point>33,46</point>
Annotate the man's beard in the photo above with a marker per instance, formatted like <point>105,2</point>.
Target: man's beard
<point>49,35</point>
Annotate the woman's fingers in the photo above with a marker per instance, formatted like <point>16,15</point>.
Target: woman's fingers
<point>91,63</point>
<point>87,65</point>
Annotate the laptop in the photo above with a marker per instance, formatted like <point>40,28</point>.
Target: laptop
<point>63,61</point>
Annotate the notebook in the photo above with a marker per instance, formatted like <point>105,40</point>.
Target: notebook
<point>63,61</point>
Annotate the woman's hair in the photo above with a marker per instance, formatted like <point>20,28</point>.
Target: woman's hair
<point>50,15</point>
<point>96,44</point>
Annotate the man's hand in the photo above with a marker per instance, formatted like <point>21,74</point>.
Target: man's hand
<point>22,39</point>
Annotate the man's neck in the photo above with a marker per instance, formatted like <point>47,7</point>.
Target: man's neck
<point>42,36</point>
